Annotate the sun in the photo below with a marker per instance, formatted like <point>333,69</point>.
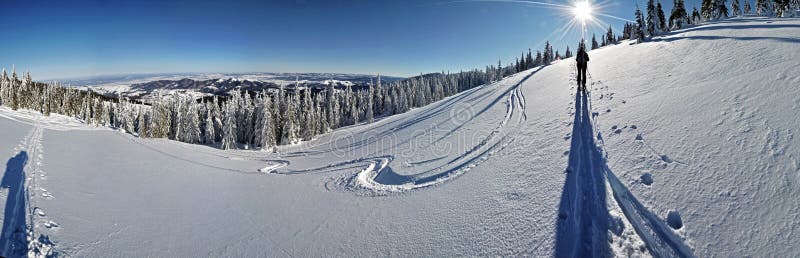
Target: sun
<point>582,10</point>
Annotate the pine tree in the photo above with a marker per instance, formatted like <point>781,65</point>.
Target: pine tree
<point>332,107</point>
<point>696,17</point>
<point>353,108</point>
<point>13,89</point>
<point>677,20</point>
<point>662,24</point>
<point>721,10</point>
<point>378,100</point>
<point>780,6</point>
<point>265,135</point>
<point>98,111</point>
<point>548,55</point>
<point>747,8</point>
<point>3,86</point>
<point>309,124</point>
<point>229,127</point>
<point>142,125</point>
<point>127,116</point>
<point>652,19</point>
<point>764,8</point>
<point>610,36</point>
<point>209,137</point>
<point>735,8</point>
<point>192,123</point>
<point>640,25</point>
<point>528,62</point>
<point>322,121</point>
<point>289,126</point>
<point>594,42</point>
<point>707,9</point>
<point>245,122</point>
<point>626,31</point>
<point>370,103</point>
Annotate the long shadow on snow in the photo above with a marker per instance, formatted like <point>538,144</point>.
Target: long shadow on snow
<point>583,218</point>
<point>13,239</point>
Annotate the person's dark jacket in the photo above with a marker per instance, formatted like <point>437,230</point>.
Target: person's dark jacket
<point>582,58</point>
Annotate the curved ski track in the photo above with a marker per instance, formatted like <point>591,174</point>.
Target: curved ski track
<point>377,176</point>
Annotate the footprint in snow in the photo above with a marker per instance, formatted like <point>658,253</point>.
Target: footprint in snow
<point>513,196</point>
<point>638,137</point>
<point>647,179</point>
<point>666,159</point>
<point>674,220</point>
<point>47,195</point>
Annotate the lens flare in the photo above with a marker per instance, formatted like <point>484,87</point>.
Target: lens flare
<point>582,11</point>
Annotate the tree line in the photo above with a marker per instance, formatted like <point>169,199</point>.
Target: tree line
<point>253,120</point>
<point>655,23</point>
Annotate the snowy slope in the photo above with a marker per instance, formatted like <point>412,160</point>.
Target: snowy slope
<point>700,122</point>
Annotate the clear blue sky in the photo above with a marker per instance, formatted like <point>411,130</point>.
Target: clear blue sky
<point>59,39</point>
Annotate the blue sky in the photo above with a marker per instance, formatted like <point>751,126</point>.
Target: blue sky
<point>56,39</point>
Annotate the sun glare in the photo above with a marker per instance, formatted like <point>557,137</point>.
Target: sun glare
<point>582,10</point>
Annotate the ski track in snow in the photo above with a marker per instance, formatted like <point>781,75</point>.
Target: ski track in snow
<point>377,176</point>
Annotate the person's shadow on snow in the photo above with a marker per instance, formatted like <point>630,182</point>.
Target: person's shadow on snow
<point>13,238</point>
<point>584,222</point>
<point>583,218</point>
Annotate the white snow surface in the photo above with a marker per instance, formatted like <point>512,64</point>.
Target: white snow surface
<point>697,126</point>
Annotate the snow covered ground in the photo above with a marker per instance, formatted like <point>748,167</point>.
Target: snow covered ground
<point>685,147</point>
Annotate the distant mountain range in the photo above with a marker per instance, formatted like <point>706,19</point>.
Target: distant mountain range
<point>143,86</point>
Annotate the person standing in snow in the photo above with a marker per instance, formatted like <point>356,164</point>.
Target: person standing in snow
<point>582,58</point>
